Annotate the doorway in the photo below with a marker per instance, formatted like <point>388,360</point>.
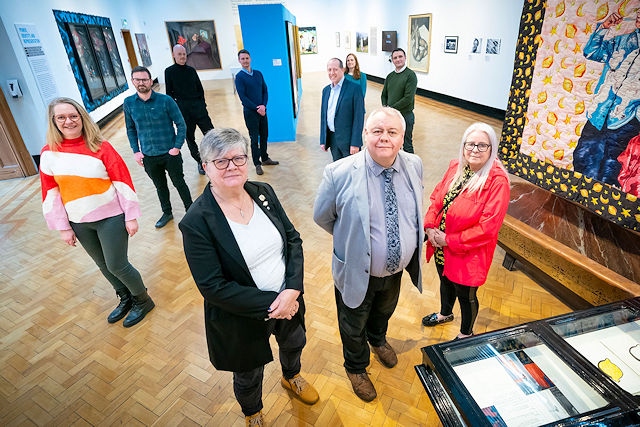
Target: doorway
<point>131,53</point>
<point>15,160</point>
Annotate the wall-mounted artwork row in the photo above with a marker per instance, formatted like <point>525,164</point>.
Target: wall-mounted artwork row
<point>419,42</point>
<point>93,55</point>
<point>572,119</point>
<point>199,39</point>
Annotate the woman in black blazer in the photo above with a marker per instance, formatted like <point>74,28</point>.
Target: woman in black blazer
<point>246,258</point>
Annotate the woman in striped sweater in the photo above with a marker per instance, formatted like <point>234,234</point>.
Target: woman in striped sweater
<point>88,196</point>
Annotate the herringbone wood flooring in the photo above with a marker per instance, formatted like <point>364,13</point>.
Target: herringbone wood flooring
<point>61,364</point>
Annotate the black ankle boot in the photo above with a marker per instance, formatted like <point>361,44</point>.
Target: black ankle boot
<point>142,304</point>
<point>123,308</point>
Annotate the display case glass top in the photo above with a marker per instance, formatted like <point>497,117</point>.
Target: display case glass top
<point>610,341</point>
<point>518,380</point>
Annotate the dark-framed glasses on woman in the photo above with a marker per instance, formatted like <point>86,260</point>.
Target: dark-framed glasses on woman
<point>469,146</point>
<point>224,163</point>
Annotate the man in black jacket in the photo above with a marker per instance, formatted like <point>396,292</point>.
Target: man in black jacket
<point>184,86</point>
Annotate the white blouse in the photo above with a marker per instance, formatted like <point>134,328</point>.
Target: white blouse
<point>262,248</point>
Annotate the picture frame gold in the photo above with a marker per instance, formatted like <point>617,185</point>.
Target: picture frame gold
<point>419,48</point>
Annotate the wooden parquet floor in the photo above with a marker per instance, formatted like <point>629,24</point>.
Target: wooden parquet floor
<point>61,364</point>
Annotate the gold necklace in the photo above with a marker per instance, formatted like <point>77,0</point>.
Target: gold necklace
<point>227,201</point>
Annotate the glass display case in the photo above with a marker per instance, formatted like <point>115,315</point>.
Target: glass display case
<point>582,368</point>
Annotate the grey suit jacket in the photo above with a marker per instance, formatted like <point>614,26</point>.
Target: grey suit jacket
<point>342,209</point>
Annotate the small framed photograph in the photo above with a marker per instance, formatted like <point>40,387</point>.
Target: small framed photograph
<point>451,44</point>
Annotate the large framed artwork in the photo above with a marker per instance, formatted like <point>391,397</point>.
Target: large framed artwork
<point>143,48</point>
<point>308,40</point>
<point>199,39</point>
<point>419,42</point>
<point>93,55</point>
<point>571,125</point>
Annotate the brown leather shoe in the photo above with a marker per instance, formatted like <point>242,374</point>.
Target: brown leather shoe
<point>255,420</point>
<point>362,386</point>
<point>386,354</point>
<point>301,388</point>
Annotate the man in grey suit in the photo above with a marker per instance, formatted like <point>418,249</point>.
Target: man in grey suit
<point>341,113</point>
<point>372,241</point>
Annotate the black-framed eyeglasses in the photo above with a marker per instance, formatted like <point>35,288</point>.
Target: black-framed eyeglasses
<point>224,163</point>
<point>62,119</point>
<point>469,146</point>
<point>140,80</point>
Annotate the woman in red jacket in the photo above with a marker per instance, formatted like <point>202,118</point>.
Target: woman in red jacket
<point>467,209</point>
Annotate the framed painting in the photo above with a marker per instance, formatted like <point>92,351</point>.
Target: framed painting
<point>451,44</point>
<point>419,42</point>
<point>143,48</point>
<point>493,46</point>
<point>93,56</point>
<point>571,125</point>
<point>362,42</point>
<point>308,40</point>
<point>476,46</point>
<point>347,39</point>
<point>199,39</point>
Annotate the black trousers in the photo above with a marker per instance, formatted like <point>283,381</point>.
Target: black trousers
<point>195,114</point>
<point>258,127</point>
<point>466,295</point>
<point>367,322</point>
<point>155,167</point>
<point>247,386</point>
<point>409,121</point>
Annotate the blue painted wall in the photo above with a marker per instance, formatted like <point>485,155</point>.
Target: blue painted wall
<point>264,35</point>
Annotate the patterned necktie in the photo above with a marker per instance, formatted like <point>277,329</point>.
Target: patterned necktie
<point>391,223</point>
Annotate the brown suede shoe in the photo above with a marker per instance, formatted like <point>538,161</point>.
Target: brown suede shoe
<point>362,386</point>
<point>301,388</point>
<point>255,420</point>
<point>386,354</point>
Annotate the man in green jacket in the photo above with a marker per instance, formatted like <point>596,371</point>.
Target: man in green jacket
<point>399,91</point>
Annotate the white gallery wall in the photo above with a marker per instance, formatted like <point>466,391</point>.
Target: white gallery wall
<point>481,79</point>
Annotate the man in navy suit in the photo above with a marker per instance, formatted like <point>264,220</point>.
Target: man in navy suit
<point>341,113</point>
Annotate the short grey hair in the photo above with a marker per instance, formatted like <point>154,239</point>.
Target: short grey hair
<point>218,142</point>
<point>387,111</point>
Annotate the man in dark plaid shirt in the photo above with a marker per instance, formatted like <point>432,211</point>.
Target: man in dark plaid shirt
<point>150,117</point>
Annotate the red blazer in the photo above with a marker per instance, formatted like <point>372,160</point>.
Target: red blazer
<point>472,225</point>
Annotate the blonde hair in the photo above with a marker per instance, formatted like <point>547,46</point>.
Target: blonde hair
<point>477,181</point>
<point>90,130</point>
